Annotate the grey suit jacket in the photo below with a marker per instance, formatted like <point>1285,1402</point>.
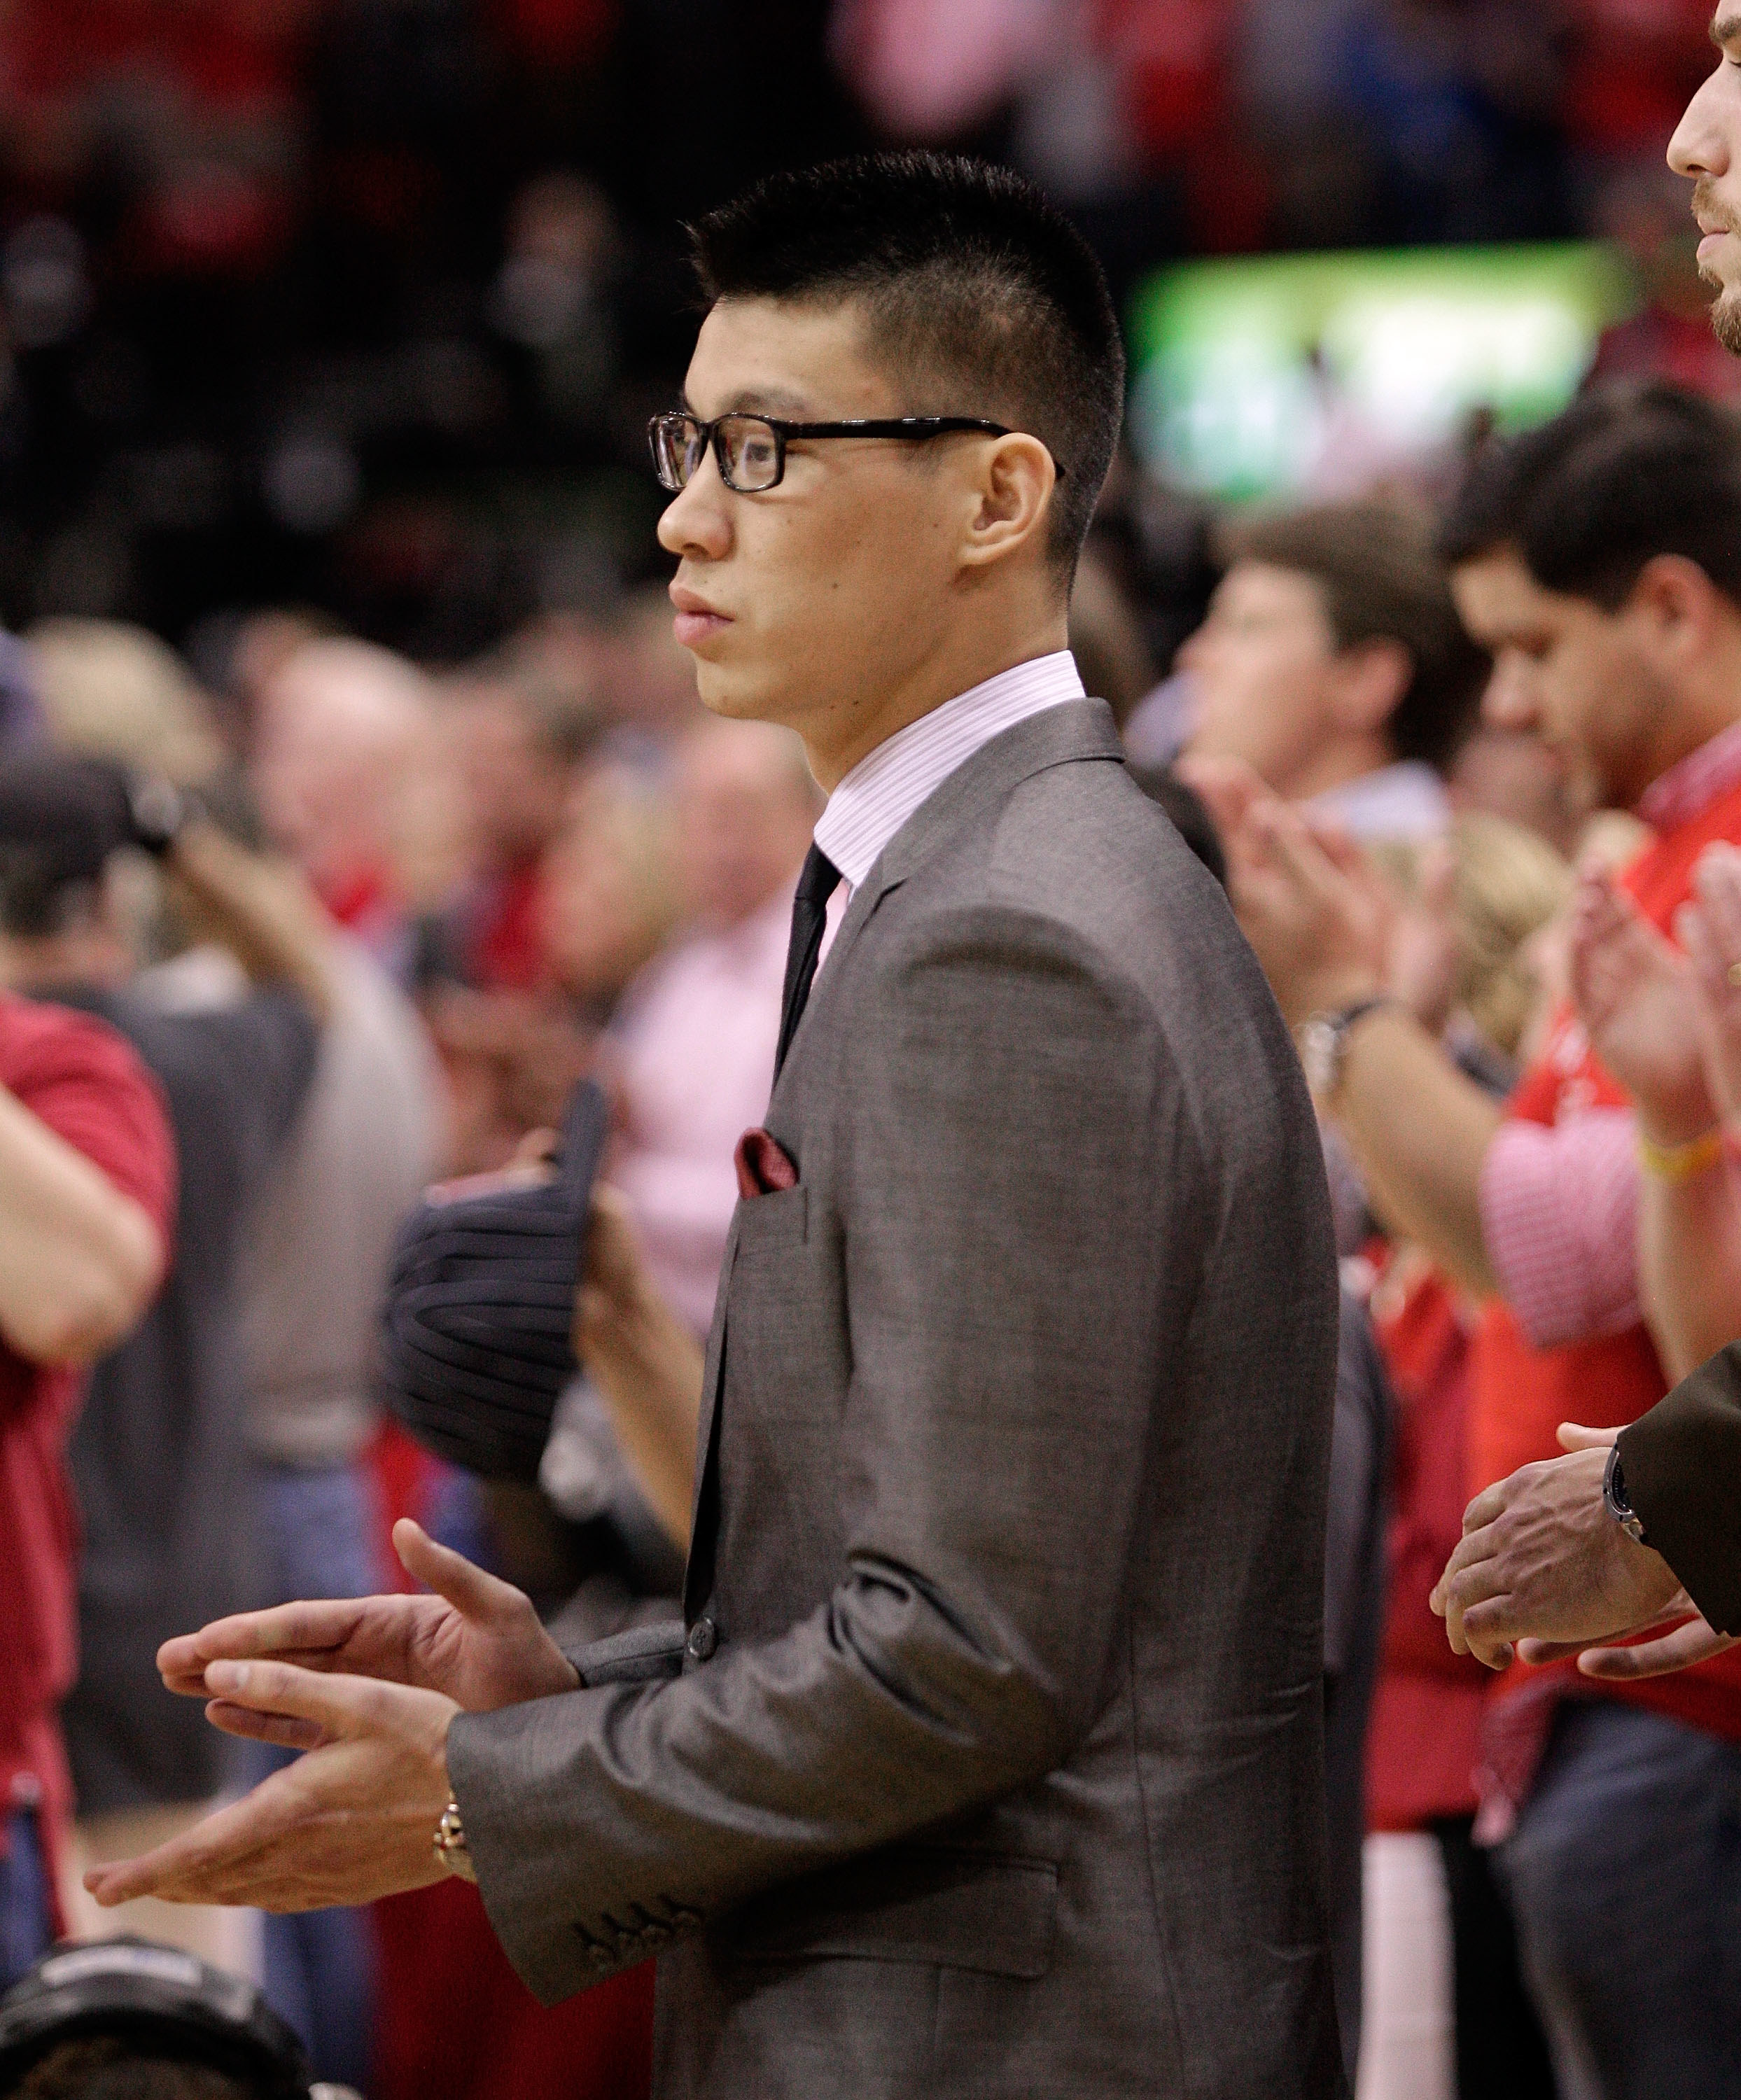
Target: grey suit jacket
<point>995,1762</point>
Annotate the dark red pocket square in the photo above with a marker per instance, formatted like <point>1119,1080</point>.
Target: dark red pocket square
<point>765,1166</point>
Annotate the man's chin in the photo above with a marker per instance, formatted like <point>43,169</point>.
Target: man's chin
<point>1725,316</point>
<point>727,692</point>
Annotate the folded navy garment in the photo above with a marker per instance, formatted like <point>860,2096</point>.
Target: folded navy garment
<point>475,1332</point>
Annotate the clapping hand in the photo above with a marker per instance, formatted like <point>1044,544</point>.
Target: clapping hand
<point>353,1819</point>
<point>1636,995</point>
<point>1311,905</point>
<point>1543,1571</point>
<point>1709,929</point>
<point>476,1640</point>
<point>367,1688</point>
<point>1692,1640</point>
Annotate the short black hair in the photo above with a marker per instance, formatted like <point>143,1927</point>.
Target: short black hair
<point>1380,580</point>
<point>1625,474</point>
<point>984,297</point>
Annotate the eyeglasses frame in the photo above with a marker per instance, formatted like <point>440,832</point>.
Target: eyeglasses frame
<point>911,429</point>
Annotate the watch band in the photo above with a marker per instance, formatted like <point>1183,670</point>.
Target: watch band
<point>1324,1042</point>
<point>452,1851</point>
<point>1614,1499</point>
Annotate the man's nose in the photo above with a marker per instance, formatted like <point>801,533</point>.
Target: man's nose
<point>1510,699</point>
<point>1700,146</point>
<point>697,520</point>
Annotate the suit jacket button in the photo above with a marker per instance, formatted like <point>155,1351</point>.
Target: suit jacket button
<point>684,1919</point>
<point>704,1638</point>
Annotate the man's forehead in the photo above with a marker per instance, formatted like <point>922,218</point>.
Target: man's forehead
<point>1496,595</point>
<point>1272,584</point>
<point>777,357</point>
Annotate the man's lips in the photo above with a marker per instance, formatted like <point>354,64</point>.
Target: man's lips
<point>696,621</point>
<point>1712,223</point>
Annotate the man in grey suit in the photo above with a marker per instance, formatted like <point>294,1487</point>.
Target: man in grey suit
<point>988,1757</point>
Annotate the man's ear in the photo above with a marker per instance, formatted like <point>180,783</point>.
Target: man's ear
<point>1675,606</point>
<point>1010,499</point>
<point>1370,681</point>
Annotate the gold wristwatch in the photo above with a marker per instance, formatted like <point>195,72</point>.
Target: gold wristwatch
<point>451,1848</point>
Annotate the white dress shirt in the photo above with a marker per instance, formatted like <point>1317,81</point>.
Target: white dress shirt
<point>888,784</point>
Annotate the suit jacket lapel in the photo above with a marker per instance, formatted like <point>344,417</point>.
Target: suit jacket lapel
<point>1062,735</point>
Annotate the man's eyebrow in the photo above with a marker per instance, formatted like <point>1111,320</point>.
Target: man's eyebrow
<point>755,401</point>
<point>769,401</point>
<point>1725,29</point>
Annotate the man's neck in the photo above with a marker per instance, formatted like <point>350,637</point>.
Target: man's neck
<point>834,748</point>
<point>1702,710</point>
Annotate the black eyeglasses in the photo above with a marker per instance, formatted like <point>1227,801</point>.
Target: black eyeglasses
<point>751,449</point>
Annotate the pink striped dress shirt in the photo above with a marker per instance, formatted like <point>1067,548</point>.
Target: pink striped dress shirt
<point>885,786</point>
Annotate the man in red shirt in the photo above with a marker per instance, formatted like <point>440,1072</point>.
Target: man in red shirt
<point>1599,559</point>
<point>87,1174</point>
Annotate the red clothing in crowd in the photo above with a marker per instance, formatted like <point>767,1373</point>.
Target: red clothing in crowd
<point>456,2023</point>
<point>1521,1394</point>
<point>505,949</point>
<point>364,904</point>
<point>85,1083</point>
<point>1632,65</point>
<point>1422,1740</point>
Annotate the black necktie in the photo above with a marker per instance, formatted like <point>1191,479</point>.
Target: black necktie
<point>816,885</point>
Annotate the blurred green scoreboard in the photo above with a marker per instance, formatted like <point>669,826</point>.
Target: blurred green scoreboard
<point>1265,376</point>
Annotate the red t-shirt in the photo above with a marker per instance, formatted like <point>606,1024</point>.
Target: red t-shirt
<point>80,1079</point>
<point>1521,1394</point>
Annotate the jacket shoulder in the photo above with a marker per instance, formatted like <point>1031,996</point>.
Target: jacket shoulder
<point>1082,847</point>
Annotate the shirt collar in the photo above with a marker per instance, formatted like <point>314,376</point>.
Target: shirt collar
<point>1693,783</point>
<point>1406,801</point>
<point>883,789</point>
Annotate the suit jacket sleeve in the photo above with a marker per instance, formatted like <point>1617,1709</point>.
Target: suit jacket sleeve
<point>1016,1170</point>
<point>1682,1463</point>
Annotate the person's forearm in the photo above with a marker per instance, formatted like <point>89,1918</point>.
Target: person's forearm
<point>79,1260</point>
<point>649,1369</point>
<point>260,909</point>
<point>1689,1265</point>
<point>1419,1131</point>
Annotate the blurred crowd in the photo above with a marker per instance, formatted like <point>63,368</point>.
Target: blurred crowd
<point>363,305</point>
<point>405,914</point>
